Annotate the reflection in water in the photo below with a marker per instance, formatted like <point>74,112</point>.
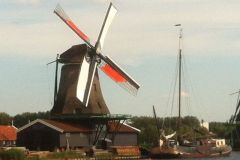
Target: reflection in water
<point>234,156</point>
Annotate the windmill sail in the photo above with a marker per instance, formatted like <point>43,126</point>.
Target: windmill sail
<point>93,64</point>
<point>63,16</point>
<point>92,70</point>
<point>110,68</point>
<point>111,12</point>
<point>82,81</point>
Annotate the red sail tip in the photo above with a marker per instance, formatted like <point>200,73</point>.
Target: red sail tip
<point>78,31</point>
<point>113,74</point>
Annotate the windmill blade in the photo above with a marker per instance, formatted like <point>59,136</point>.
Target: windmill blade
<point>111,12</point>
<point>63,16</point>
<point>92,70</point>
<point>82,80</point>
<point>110,68</point>
<point>85,80</point>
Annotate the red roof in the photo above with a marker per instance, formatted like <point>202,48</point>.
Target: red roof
<point>68,126</point>
<point>8,133</point>
<point>64,126</point>
<point>124,128</point>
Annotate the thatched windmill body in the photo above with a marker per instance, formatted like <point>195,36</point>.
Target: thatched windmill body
<point>79,89</point>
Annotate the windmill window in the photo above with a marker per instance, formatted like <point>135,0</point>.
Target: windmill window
<point>67,134</point>
<point>99,105</point>
<point>95,87</point>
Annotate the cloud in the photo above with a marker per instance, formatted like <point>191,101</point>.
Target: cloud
<point>185,94</point>
<point>22,2</point>
<point>136,33</point>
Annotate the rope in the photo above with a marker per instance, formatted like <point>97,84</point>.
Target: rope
<point>49,87</point>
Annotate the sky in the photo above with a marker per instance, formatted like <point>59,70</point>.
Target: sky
<point>142,39</point>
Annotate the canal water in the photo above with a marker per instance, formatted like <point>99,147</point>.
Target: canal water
<point>233,156</point>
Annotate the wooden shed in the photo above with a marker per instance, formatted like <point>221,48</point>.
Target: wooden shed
<point>52,134</point>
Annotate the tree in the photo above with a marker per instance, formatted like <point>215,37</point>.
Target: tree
<point>148,134</point>
<point>24,118</point>
<point>190,128</point>
<point>5,119</point>
<point>219,128</point>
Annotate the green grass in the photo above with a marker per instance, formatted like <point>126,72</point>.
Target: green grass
<point>15,154</point>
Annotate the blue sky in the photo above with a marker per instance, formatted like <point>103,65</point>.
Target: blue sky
<point>142,39</point>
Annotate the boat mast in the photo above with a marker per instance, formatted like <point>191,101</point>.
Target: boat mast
<point>156,121</point>
<point>232,120</point>
<point>179,75</point>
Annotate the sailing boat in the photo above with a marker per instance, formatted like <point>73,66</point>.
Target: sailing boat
<point>170,147</point>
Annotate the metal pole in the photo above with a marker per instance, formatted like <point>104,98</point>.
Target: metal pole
<point>56,79</point>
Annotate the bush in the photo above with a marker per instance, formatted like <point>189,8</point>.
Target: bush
<point>66,154</point>
<point>12,154</point>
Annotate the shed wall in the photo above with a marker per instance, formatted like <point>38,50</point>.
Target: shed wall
<point>75,139</point>
<point>125,139</point>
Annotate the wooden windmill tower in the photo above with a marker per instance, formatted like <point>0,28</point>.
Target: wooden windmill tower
<point>79,90</point>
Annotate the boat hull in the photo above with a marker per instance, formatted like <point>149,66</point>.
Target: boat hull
<point>190,152</point>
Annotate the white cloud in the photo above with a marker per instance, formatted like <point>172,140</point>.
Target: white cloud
<point>136,33</point>
<point>22,2</point>
<point>185,94</point>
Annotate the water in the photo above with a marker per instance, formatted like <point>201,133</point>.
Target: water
<point>233,156</point>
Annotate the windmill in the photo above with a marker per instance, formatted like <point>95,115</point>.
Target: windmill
<point>93,58</point>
